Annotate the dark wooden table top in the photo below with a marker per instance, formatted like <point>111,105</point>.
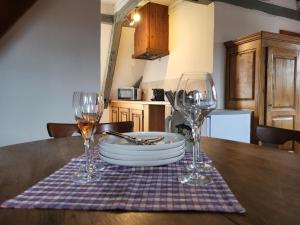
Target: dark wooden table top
<point>265,181</point>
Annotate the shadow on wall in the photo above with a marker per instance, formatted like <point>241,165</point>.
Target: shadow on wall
<point>49,53</point>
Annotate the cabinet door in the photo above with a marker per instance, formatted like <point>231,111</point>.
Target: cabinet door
<point>159,28</point>
<point>114,114</point>
<point>136,116</point>
<point>123,114</point>
<point>283,90</point>
<point>141,33</point>
<point>241,72</point>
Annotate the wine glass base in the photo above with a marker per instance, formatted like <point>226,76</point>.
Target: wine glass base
<point>201,166</point>
<point>81,177</point>
<point>195,178</point>
<point>99,167</point>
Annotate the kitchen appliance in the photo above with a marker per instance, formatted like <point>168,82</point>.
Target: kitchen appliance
<point>129,93</point>
<point>232,125</point>
<point>158,94</point>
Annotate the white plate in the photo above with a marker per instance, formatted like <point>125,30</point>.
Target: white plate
<point>120,150</point>
<point>171,140</point>
<point>142,163</point>
<point>144,157</point>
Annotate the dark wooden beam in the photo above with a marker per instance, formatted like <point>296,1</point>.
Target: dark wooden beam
<point>203,2</point>
<point>265,7</point>
<point>11,11</point>
<point>119,19</point>
<point>257,5</point>
<point>107,19</point>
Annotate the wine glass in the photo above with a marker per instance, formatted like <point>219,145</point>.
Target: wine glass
<point>88,108</point>
<point>195,99</point>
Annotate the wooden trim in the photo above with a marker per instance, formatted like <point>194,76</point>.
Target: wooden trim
<point>289,33</point>
<point>243,39</point>
<point>127,105</point>
<point>107,19</point>
<point>263,35</point>
<point>280,37</point>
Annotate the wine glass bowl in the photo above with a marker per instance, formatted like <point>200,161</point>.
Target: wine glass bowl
<point>195,99</point>
<point>88,108</point>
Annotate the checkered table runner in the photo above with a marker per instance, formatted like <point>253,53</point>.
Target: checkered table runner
<point>129,188</point>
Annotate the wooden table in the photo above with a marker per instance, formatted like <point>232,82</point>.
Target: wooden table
<point>265,181</point>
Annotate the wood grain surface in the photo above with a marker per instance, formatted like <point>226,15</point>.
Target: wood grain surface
<point>265,181</point>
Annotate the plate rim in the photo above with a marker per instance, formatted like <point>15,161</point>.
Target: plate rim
<point>147,147</point>
<point>154,162</point>
<point>136,157</point>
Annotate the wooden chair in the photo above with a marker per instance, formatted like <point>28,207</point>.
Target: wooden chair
<point>58,130</point>
<point>273,136</point>
<point>121,127</point>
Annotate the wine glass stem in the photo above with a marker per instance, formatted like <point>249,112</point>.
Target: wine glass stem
<point>197,157</point>
<point>88,154</point>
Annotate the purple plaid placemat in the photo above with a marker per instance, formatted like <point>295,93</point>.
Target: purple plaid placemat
<point>129,188</point>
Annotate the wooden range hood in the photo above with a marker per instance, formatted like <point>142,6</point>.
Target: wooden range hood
<point>151,37</point>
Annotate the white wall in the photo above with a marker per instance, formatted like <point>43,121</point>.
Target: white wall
<point>127,70</point>
<point>232,22</point>
<point>107,8</point>
<point>50,52</point>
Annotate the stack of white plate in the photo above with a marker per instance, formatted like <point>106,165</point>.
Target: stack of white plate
<point>118,151</point>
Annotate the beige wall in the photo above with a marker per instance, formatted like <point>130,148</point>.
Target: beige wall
<point>191,43</point>
<point>191,49</point>
<point>127,70</point>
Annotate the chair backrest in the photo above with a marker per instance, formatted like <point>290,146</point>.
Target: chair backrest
<point>58,130</point>
<point>276,136</point>
<point>121,127</point>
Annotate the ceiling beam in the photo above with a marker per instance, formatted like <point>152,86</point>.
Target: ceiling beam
<point>265,7</point>
<point>203,2</point>
<point>107,19</point>
<point>119,19</point>
<point>258,5</point>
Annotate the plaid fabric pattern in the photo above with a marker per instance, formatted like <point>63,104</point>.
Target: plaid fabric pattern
<point>130,189</point>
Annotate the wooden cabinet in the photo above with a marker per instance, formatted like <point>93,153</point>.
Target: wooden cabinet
<point>136,115</point>
<point>114,114</point>
<point>123,114</point>
<point>151,37</point>
<point>263,75</point>
<point>146,116</point>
